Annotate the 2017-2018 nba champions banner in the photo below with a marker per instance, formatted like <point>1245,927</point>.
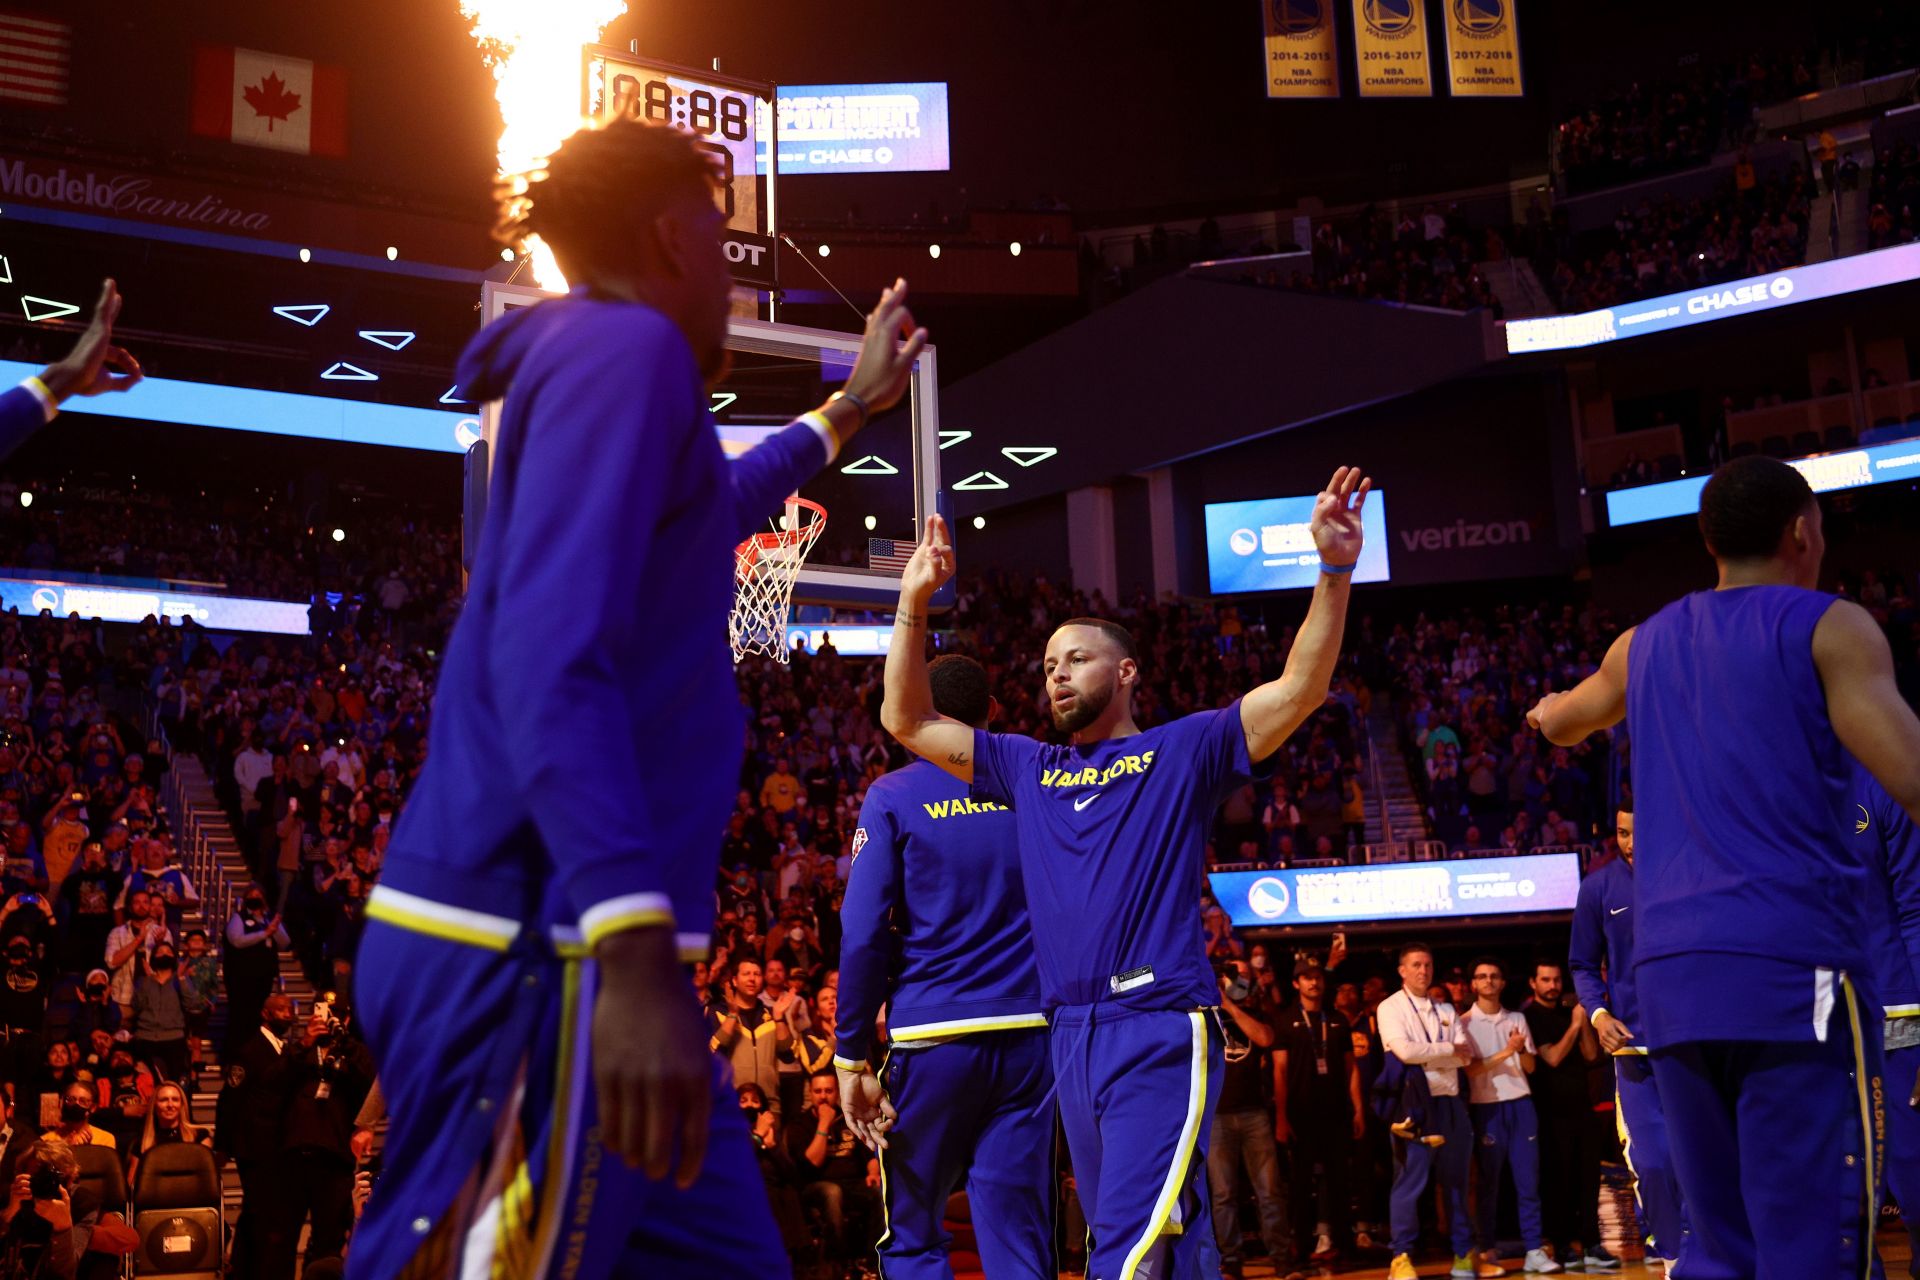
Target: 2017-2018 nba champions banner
<point>1483,48</point>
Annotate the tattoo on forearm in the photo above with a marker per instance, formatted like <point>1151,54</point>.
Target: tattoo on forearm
<point>958,757</point>
<point>910,619</point>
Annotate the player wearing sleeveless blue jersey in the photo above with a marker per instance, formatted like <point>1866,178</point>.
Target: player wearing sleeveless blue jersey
<point>540,1050</point>
<point>1601,957</point>
<point>934,926</point>
<point>1745,702</point>
<point>1890,844</point>
<point>1113,829</point>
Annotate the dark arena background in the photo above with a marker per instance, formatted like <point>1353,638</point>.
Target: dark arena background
<point>1538,269</point>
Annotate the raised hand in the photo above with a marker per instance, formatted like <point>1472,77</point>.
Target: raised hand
<point>1336,517</point>
<point>932,562</point>
<point>95,364</point>
<point>888,351</point>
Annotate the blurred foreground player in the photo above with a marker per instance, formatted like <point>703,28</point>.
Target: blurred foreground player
<point>94,366</point>
<point>1744,702</point>
<point>1602,963</point>
<point>1113,830</point>
<point>540,1049</point>
<point>1890,843</point>
<point>935,927</point>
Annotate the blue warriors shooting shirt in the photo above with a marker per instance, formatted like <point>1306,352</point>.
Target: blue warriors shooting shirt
<point>1113,848</point>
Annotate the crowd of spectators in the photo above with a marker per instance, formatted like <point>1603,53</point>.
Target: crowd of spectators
<point>1666,245</point>
<point>1894,194</point>
<point>1426,259</point>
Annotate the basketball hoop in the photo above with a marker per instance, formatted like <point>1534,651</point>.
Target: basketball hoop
<point>765,567</point>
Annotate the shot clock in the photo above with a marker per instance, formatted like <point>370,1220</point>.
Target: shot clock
<point>724,114</point>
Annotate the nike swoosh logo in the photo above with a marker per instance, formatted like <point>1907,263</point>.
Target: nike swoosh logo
<point>1084,801</point>
<point>1618,910</point>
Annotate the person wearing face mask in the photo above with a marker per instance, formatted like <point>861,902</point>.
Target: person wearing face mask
<point>248,1119</point>
<point>160,1015</point>
<point>250,958</point>
<point>80,1007</point>
<point>76,1129</point>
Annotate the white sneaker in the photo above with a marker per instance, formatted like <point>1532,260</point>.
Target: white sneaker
<point>1538,1263</point>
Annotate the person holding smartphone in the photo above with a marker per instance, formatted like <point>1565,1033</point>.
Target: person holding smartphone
<point>43,1206</point>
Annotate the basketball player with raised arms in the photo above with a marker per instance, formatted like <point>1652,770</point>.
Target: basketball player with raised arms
<point>934,926</point>
<point>1112,833</point>
<point>554,1101</point>
<point>1744,703</point>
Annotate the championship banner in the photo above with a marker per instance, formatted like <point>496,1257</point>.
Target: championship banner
<point>1303,60</point>
<point>1390,48</point>
<point>1483,48</point>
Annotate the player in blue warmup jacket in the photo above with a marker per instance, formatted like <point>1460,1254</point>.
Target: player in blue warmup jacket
<point>93,366</point>
<point>1113,831</point>
<point>521,979</point>
<point>1602,962</point>
<point>1745,702</point>
<point>1891,847</point>
<point>934,926</point>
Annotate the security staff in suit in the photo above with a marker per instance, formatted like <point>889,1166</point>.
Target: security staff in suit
<point>248,1126</point>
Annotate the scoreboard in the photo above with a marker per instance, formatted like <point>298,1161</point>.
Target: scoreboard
<point>726,116</point>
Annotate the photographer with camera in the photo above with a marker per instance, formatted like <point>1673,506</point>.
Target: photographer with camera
<point>44,1213</point>
<point>328,1075</point>
<point>1243,1128</point>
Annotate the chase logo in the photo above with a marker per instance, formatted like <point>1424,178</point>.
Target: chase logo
<point>1388,17</point>
<point>1269,898</point>
<point>1297,17</point>
<point>46,598</point>
<point>1480,17</point>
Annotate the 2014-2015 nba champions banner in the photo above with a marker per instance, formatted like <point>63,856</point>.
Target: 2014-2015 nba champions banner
<point>1483,48</point>
<point>1390,49</point>
<point>1303,57</point>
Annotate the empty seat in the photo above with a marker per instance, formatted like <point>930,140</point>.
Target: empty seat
<point>1839,436</point>
<point>177,1213</point>
<point>1776,447</point>
<point>100,1170</point>
<point>1742,449</point>
<point>1806,442</point>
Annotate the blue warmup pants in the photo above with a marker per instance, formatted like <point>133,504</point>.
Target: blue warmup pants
<point>974,1112</point>
<point>1415,1162</point>
<point>1137,1090</point>
<point>1903,1144</point>
<point>1506,1135</point>
<point>1643,1140</point>
<point>1775,1146</point>
<point>493,1156</point>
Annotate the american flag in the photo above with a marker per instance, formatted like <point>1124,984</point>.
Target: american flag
<point>889,553</point>
<point>33,59</point>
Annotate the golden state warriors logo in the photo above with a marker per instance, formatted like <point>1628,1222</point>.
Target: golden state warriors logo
<point>1388,17</point>
<point>1297,17</point>
<point>1480,17</point>
<point>1861,823</point>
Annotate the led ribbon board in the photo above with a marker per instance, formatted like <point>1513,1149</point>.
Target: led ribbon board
<point>1400,890</point>
<point>1716,302</point>
<point>133,604</point>
<point>1825,472</point>
<point>1266,545</point>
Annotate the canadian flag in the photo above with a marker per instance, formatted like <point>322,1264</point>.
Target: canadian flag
<point>269,100</point>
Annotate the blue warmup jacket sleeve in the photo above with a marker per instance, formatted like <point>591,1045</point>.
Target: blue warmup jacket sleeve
<point>1902,841</point>
<point>21,414</point>
<point>1588,950</point>
<point>765,475</point>
<point>866,917</point>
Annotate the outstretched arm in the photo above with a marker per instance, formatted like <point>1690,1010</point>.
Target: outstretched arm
<point>907,712</point>
<point>1596,703</point>
<point>1273,711</point>
<point>1869,716</point>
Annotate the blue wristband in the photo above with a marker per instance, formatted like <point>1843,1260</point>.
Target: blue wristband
<point>1338,568</point>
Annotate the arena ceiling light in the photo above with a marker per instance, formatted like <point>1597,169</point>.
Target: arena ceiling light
<point>948,439</point>
<point>306,313</point>
<point>871,465</point>
<point>391,339</point>
<point>933,251</point>
<point>6,270</point>
<point>50,310</point>
<point>448,396</point>
<point>1014,248</point>
<point>344,372</point>
<point>721,399</point>
<point>981,481</point>
<point>1028,455</point>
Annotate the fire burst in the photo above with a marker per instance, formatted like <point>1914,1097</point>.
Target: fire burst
<point>534,48</point>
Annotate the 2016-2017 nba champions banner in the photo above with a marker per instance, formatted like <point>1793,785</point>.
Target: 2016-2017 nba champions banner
<point>1483,48</point>
<point>1390,48</point>
<point>1303,58</point>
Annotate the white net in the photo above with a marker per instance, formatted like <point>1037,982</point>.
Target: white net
<point>765,568</point>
